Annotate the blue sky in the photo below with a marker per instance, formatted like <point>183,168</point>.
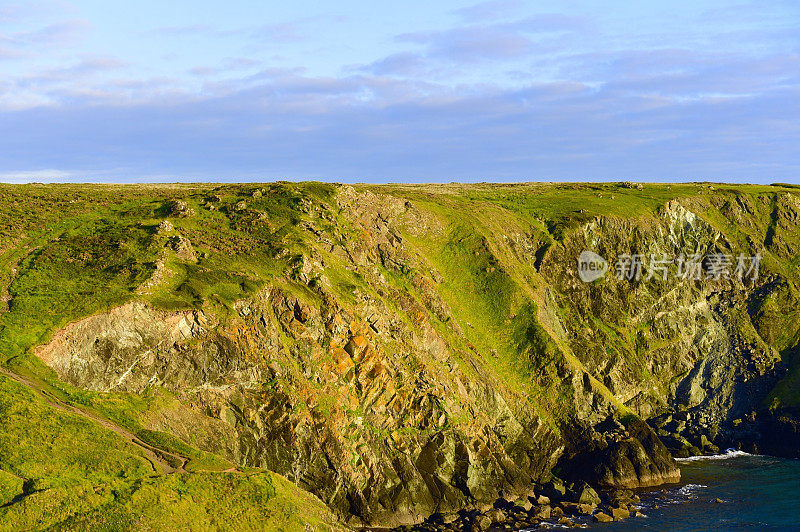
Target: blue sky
<point>503,90</point>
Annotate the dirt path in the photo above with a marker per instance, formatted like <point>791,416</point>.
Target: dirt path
<point>160,459</point>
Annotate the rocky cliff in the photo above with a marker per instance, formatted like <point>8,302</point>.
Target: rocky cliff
<point>405,351</point>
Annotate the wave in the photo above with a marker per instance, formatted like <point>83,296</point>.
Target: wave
<point>689,489</point>
<point>729,453</point>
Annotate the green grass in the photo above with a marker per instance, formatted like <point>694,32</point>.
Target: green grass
<point>56,448</point>
<point>220,501</point>
<point>198,460</point>
<point>10,487</point>
<point>81,476</point>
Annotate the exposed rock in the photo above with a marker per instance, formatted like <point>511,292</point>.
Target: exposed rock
<point>496,515</point>
<point>620,513</point>
<point>220,370</point>
<point>601,517</point>
<point>179,208</point>
<point>183,248</point>
<point>165,226</point>
<point>554,489</point>
<point>638,461</point>
<point>583,493</point>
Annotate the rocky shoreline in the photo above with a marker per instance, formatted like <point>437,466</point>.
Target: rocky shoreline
<point>555,503</point>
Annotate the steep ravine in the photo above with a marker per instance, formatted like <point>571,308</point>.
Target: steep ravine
<point>412,362</point>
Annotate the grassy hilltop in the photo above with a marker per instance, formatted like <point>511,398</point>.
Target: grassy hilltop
<point>459,298</point>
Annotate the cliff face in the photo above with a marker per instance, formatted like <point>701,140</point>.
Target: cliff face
<point>387,436</point>
<point>414,350</point>
<point>701,357</point>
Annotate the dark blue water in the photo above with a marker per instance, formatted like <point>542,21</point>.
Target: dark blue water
<point>757,493</point>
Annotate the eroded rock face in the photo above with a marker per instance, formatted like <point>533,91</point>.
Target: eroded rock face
<point>133,347</point>
<point>370,432</point>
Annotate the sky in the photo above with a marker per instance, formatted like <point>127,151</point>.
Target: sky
<point>416,91</point>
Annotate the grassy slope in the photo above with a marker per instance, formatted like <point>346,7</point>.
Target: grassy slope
<point>68,251</point>
<point>71,251</point>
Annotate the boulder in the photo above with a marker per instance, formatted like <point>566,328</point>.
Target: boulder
<point>636,460</point>
<point>601,517</point>
<point>583,493</point>
<point>555,489</point>
<point>620,513</point>
<point>522,505</point>
<point>620,497</point>
<point>482,522</point>
<point>575,508</point>
<point>496,515</point>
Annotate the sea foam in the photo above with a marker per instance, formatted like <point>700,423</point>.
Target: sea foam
<point>729,453</point>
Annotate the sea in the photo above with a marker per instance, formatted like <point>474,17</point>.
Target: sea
<point>731,491</point>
